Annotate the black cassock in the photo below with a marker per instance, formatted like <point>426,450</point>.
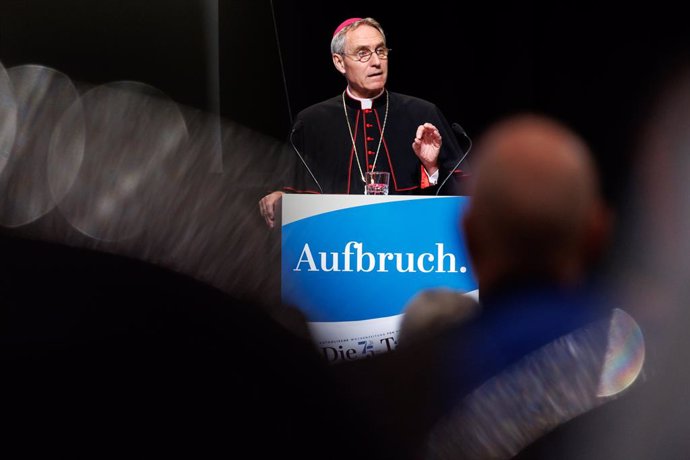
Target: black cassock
<point>325,142</point>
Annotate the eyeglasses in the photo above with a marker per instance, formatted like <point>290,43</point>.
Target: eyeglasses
<point>364,55</point>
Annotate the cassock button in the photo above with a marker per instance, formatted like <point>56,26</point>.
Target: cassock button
<point>370,166</point>
<point>371,152</point>
<point>369,125</point>
<point>369,138</point>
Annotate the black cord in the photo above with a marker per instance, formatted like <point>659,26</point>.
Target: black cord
<point>282,67</point>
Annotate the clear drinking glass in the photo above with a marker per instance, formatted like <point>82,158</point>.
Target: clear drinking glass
<point>376,183</point>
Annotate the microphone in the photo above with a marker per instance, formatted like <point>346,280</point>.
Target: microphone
<point>459,132</point>
<point>298,125</point>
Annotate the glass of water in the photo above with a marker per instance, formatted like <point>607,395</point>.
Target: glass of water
<point>376,183</point>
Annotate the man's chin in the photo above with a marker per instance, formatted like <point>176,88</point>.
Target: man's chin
<point>376,87</point>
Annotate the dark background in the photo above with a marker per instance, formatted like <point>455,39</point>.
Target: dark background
<point>259,62</point>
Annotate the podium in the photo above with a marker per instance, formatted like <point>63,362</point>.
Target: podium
<point>351,263</point>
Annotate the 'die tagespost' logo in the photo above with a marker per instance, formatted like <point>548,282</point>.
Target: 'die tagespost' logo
<point>354,258</point>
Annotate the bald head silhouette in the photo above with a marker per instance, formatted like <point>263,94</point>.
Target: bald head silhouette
<point>536,211</point>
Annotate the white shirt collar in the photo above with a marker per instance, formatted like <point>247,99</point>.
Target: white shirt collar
<point>366,103</point>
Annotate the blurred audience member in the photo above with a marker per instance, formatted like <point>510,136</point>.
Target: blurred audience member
<point>651,270</point>
<point>109,357</point>
<point>535,356</point>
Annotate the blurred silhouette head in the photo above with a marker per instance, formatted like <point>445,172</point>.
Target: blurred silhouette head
<point>536,210</point>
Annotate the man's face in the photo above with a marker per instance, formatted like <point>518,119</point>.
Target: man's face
<point>366,79</point>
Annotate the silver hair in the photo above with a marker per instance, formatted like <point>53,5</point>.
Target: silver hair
<point>338,41</point>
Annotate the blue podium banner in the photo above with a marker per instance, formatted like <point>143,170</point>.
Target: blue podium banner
<point>350,262</point>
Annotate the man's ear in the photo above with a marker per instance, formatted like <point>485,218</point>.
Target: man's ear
<point>467,227</point>
<point>599,232</point>
<point>338,63</point>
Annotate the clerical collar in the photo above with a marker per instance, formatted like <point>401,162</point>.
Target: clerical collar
<point>366,103</point>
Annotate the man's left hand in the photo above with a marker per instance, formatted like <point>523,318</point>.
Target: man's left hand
<point>427,145</point>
